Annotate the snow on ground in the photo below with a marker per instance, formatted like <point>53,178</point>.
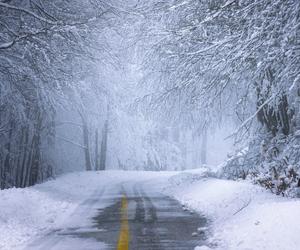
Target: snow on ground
<point>28,213</point>
<point>243,216</point>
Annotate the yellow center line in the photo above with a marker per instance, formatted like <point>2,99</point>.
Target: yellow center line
<point>123,243</point>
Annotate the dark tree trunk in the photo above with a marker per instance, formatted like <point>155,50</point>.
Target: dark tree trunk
<point>97,166</point>
<point>24,160</point>
<point>104,146</point>
<point>21,152</point>
<point>7,162</point>
<point>274,118</point>
<point>86,142</point>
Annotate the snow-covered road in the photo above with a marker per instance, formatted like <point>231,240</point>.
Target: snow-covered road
<point>163,210</point>
<point>155,222</point>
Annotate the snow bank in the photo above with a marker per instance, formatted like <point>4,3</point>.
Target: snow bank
<point>28,212</point>
<point>25,212</point>
<point>243,216</point>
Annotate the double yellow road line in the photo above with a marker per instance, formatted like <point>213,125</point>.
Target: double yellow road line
<point>124,238</point>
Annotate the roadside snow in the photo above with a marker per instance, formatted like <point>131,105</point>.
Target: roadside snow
<point>243,216</point>
<point>28,212</point>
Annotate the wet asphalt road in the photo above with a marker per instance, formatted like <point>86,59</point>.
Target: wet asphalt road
<point>156,222</point>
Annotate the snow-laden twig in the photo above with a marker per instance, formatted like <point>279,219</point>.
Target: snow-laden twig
<point>252,116</point>
<point>69,141</point>
<point>244,124</point>
<point>69,123</point>
<point>243,207</point>
<point>5,5</point>
<point>9,44</point>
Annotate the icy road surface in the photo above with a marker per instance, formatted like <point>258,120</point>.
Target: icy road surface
<point>128,215</point>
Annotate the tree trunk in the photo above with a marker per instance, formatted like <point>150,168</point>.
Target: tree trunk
<point>36,165</point>
<point>86,142</point>
<point>21,154</point>
<point>87,154</point>
<point>7,162</point>
<point>97,167</point>
<point>104,146</point>
<point>204,147</point>
<point>24,160</point>
<point>29,164</point>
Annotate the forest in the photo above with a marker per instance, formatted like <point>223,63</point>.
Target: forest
<point>150,125</point>
<point>143,85</point>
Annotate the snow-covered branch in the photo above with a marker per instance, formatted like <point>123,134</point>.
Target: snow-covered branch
<point>28,12</point>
